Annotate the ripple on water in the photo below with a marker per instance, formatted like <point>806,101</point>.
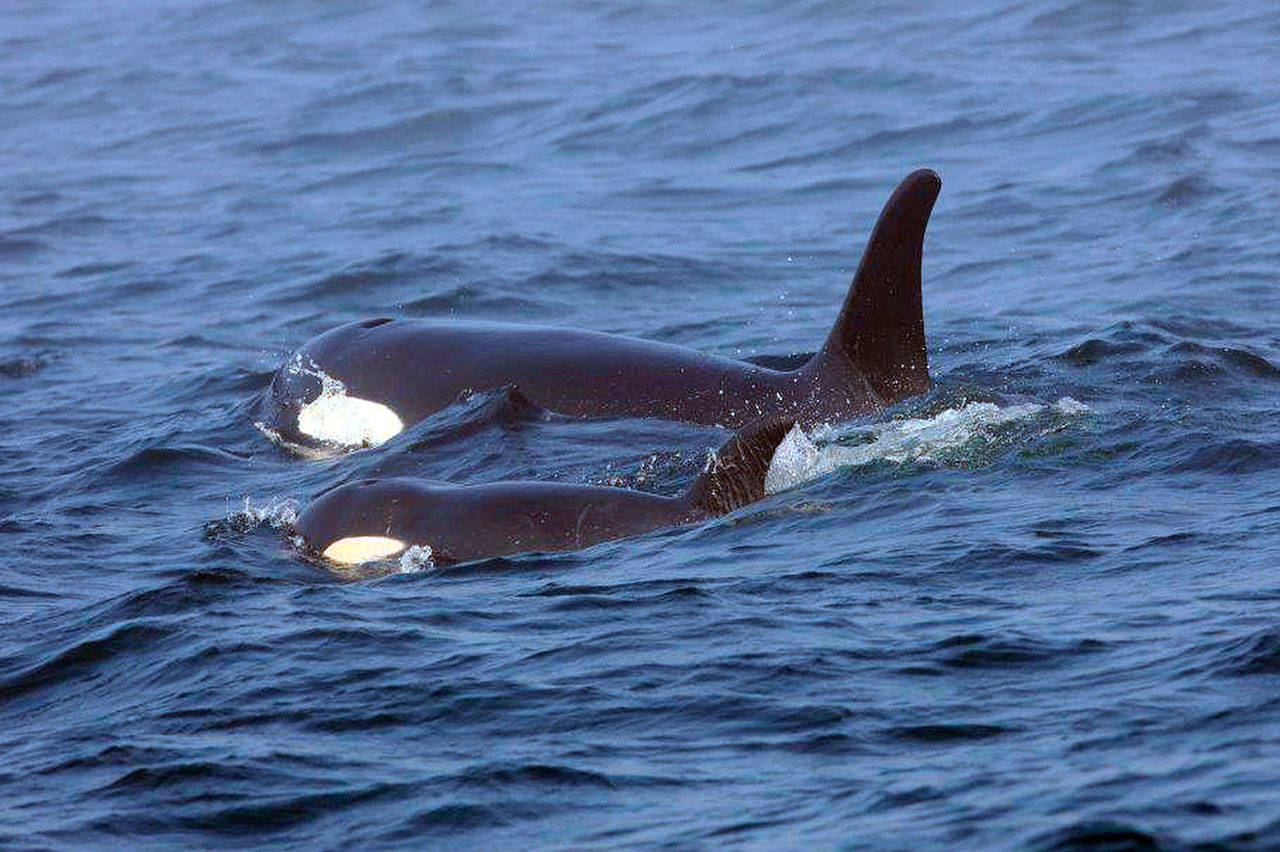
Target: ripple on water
<point>1056,633</point>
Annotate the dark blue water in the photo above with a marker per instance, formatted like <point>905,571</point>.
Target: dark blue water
<point>1064,637</point>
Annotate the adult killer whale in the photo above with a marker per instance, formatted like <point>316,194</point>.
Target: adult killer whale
<point>362,383</point>
<point>374,519</point>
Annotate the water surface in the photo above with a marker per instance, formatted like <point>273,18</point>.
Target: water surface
<point>1062,633</point>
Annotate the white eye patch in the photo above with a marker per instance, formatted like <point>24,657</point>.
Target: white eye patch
<point>355,550</point>
<point>348,421</point>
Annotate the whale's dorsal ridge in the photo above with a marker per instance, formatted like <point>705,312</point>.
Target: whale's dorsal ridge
<point>880,330</point>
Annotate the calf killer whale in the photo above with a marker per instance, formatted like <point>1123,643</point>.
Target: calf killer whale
<point>360,384</point>
<point>374,519</point>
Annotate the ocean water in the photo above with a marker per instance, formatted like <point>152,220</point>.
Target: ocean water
<point>1056,626</point>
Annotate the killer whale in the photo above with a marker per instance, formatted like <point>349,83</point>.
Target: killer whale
<point>375,519</point>
<point>362,383</point>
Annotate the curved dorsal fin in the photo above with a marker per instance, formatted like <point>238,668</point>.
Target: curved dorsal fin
<point>734,475</point>
<point>880,330</point>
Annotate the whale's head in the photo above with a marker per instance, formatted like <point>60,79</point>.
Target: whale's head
<point>312,414</point>
<point>368,528</point>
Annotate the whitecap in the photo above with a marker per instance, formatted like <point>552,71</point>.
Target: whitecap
<point>800,458</point>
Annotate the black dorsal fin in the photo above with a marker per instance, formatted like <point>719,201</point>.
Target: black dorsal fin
<point>734,475</point>
<point>880,330</point>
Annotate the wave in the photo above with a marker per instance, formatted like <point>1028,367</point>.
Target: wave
<point>935,440</point>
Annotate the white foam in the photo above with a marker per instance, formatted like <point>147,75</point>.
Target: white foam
<point>280,514</point>
<point>417,557</point>
<point>795,460</point>
<point>799,459</point>
<point>1070,407</point>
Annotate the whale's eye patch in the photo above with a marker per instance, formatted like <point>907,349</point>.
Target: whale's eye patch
<point>348,421</point>
<point>356,550</point>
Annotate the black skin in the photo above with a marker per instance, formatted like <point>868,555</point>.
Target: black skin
<point>874,356</point>
<point>463,523</point>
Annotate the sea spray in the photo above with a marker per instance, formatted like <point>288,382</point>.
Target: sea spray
<point>799,459</point>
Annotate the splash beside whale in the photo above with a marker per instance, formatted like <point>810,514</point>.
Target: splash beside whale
<point>376,519</point>
<point>360,384</point>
